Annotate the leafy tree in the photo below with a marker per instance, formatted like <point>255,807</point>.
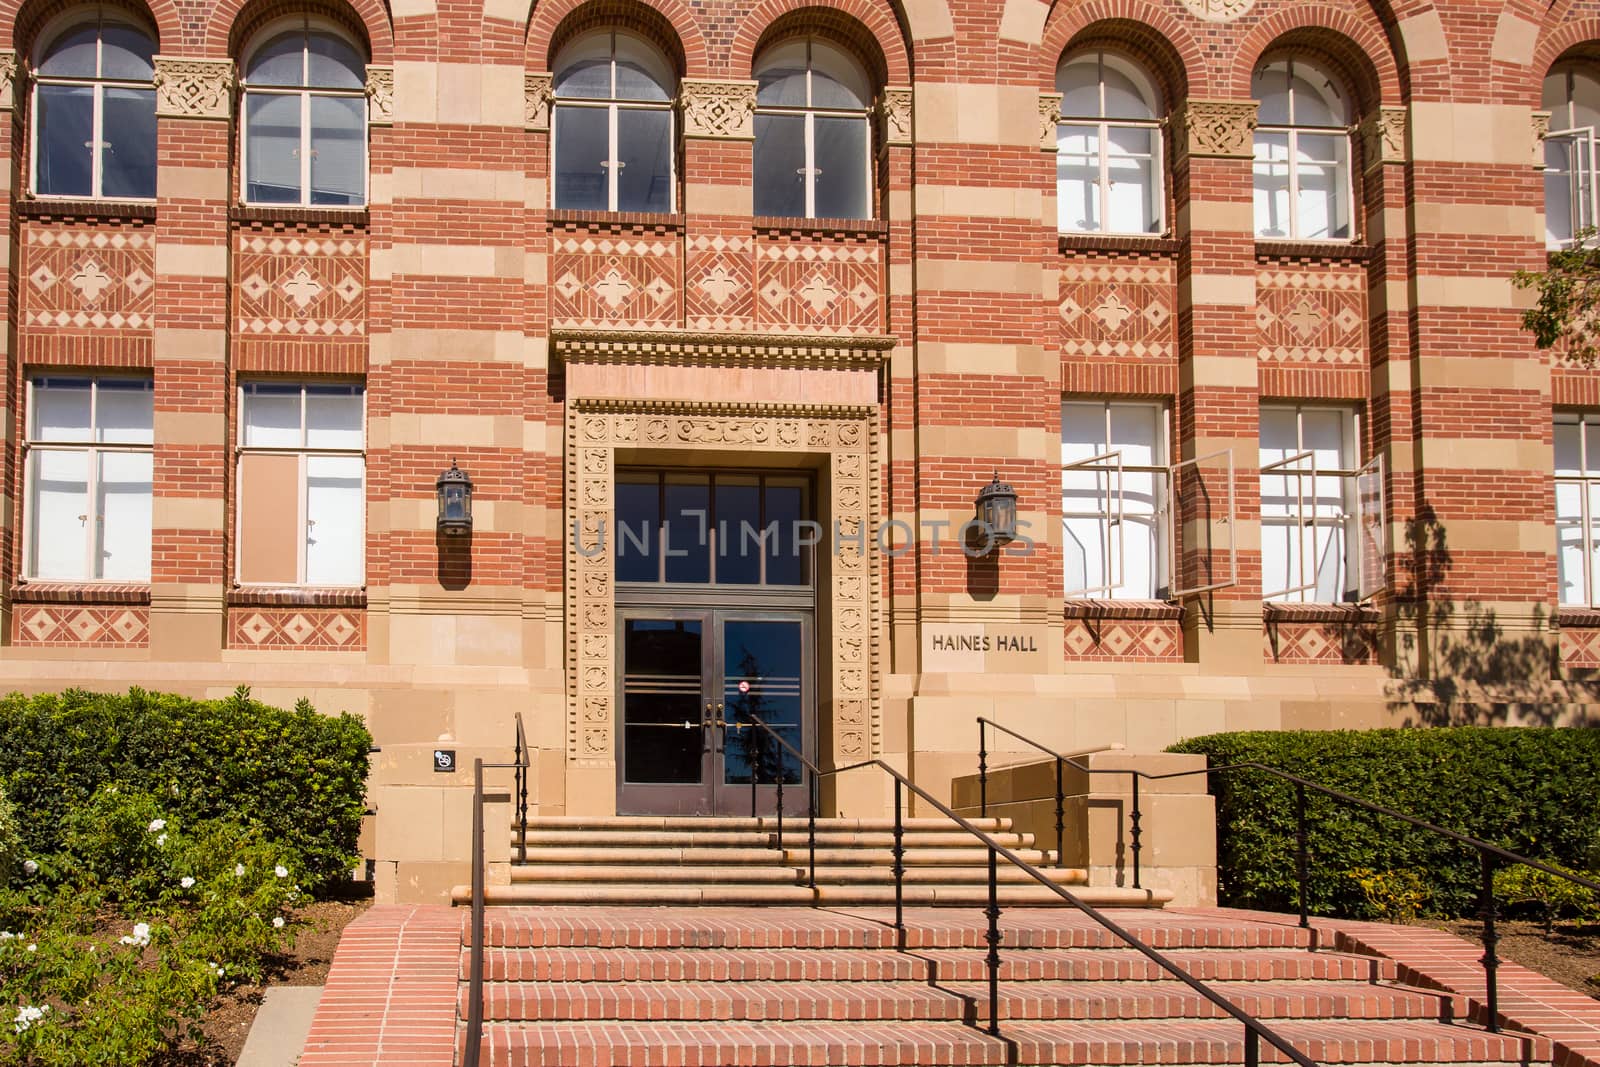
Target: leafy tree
<point>1567,315</point>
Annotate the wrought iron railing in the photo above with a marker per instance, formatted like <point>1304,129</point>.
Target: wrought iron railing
<point>474,1034</point>
<point>1255,1031</point>
<point>1489,855</point>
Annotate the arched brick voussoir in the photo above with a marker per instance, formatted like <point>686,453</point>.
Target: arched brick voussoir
<point>874,18</point>
<point>233,20</point>
<point>549,18</point>
<point>1581,34</point>
<point>1149,32</point>
<point>21,20</point>
<point>1358,45</point>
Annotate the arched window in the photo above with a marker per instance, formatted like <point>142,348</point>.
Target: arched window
<point>1302,154</point>
<point>813,150</point>
<point>305,118</point>
<point>1108,161</point>
<point>1572,96</point>
<point>94,110</point>
<point>612,132</point>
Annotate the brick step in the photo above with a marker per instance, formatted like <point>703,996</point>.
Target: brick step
<point>794,836</point>
<point>718,1044</point>
<point>967,1002</point>
<point>867,928</point>
<point>532,874</point>
<point>720,856</point>
<point>738,823</point>
<point>698,894</point>
<point>942,965</point>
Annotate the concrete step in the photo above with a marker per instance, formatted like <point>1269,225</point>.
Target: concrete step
<point>737,823</point>
<point>794,836</point>
<point>712,856</point>
<point>776,874</point>
<point>842,896</point>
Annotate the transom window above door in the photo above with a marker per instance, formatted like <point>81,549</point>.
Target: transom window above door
<point>612,125</point>
<point>727,528</point>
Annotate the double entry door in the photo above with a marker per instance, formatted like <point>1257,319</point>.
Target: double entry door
<point>691,681</point>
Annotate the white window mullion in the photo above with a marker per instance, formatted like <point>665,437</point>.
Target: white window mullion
<point>1584,540</point>
<point>97,139</point>
<point>305,150</point>
<point>613,164</point>
<point>811,155</point>
<point>1103,136</point>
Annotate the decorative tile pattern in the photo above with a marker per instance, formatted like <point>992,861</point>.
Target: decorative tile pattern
<point>301,628</point>
<point>1311,316</point>
<point>816,286</point>
<point>1319,642</point>
<point>626,282</point>
<point>1153,640</point>
<point>1118,310</point>
<point>81,626</point>
<point>721,290</point>
<point>285,285</point>
<point>85,276</point>
<point>1580,647</point>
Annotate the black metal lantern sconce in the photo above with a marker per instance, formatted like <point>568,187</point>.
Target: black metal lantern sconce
<point>455,502</point>
<point>997,512</point>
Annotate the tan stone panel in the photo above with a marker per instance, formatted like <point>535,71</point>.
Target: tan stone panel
<point>1023,21</point>
<point>1446,290</point>
<point>1477,453</point>
<point>710,198</point>
<point>930,19</point>
<point>535,192</point>
<point>457,183</point>
<point>465,431</point>
<point>1497,134</point>
<point>184,637</point>
<point>943,275</point>
<point>1220,289</point>
<point>1152,725</point>
<point>978,201</point>
<point>745,384</point>
<point>1216,216</point>
<point>940,357</point>
<point>1424,38</point>
<point>1234,372</point>
<point>1487,535</point>
<point>457,261</point>
<point>193,261</point>
<point>192,183</point>
<point>1483,372</point>
<point>416,87</point>
<point>1490,219</point>
<point>190,428</point>
<point>186,513</point>
<point>975,113</point>
<point>1514,39</point>
<point>442,346</point>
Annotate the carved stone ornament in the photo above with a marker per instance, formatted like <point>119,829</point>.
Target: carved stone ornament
<point>723,109</point>
<point>8,80</point>
<point>1383,137</point>
<point>894,111</point>
<point>194,88</point>
<point>536,96</point>
<point>1541,129</point>
<point>1218,10</point>
<point>380,96</point>
<point>1218,129</point>
<point>1049,119</point>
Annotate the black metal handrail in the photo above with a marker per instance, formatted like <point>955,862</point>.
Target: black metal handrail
<point>1255,1031</point>
<point>1489,854</point>
<point>474,1035</point>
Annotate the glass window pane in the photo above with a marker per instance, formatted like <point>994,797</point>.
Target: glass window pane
<point>1279,560</point>
<point>638,532</point>
<point>1270,85</point>
<point>588,79</point>
<point>124,412</point>
<point>1553,96</point>
<point>1271,178</point>
<point>333,416</point>
<point>1569,502</point>
<point>65,166</point>
<point>781,76</point>
<point>1140,553</point>
<point>1558,199</point>
<point>128,165</point>
<point>333,63</point>
<point>1314,100</point>
<point>1323,434</point>
<point>763,667</point>
<point>1569,562</point>
<point>71,55</point>
<point>61,409</point>
<point>1567,445</point>
<point>644,151</point>
<point>837,80</point>
<point>786,511</point>
<point>688,552</point>
<point>662,688</point>
<point>124,510</point>
<point>1136,433</point>
<point>58,528</point>
<point>642,73</point>
<point>1130,198</point>
<point>1078,178</point>
<point>738,530</point>
<point>1585,98</point>
<point>1280,434</point>
<point>1083,431</point>
<point>1319,213</point>
<point>272,148</point>
<point>582,148</point>
<point>281,61</point>
<point>1125,97</point>
<point>335,510</point>
<point>126,53</point>
<point>338,150</point>
<point>1591,446</point>
<point>1594,545</point>
<point>271,416</point>
<point>1079,84</point>
<point>842,168</point>
<point>780,156</point>
<point>1082,553</point>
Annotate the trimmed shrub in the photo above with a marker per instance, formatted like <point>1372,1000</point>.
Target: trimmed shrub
<point>10,840</point>
<point>297,776</point>
<point>1529,790</point>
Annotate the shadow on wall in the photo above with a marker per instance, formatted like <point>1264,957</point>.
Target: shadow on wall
<point>455,562</point>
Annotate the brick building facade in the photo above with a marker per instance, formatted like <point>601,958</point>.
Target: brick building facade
<point>1221,288</point>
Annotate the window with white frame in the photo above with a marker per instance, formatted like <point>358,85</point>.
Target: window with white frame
<point>1302,154</point>
<point>612,125</point>
<point>88,478</point>
<point>813,150</point>
<point>1108,159</point>
<point>94,109</point>
<point>305,118</point>
<point>302,484</point>
<point>1572,96</point>
<point>1114,516</point>
<point>1577,439</point>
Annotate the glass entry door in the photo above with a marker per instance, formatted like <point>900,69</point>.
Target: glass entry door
<point>691,681</point>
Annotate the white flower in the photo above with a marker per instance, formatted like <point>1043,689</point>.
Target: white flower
<point>140,935</point>
<point>238,870</point>
<point>221,970</point>
<point>33,948</point>
<point>7,935</point>
<point>157,825</point>
<point>161,842</point>
<point>278,922</point>
<point>186,882</point>
<point>29,867</point>
<point>281,871</point>
<point>27,1016</point>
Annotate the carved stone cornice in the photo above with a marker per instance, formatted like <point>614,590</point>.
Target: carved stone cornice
<point>1217,129</point>
<point>1383,137</point>
<point>380,96</point>
<point>8,80</point>
<point>1541,129</point>
<point>194,88</point>
<point>894,116</point>
<point>1049,119</point>
<point>704,347</point>
<point>537,92</point>
<point>719,109</point>
<point>1218,10</point>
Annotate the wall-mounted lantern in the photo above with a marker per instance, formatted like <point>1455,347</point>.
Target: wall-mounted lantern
<point>455,501</point>
<point>997,511</point>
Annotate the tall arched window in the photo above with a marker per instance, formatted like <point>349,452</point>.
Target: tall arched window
<point>305,118</point>
<point>1108,161</point>
<point>1572,96</point>
<point>612,132</point>
<point>1302,154</point>
<point>94,110</point>
<point>813,150</point>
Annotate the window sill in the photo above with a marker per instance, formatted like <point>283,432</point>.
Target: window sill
<point>1339,613</point>
<point>62,208</point>
<point>1580,618</point>
<point>1149,610</point>
<point>820,227</point>
<point>660,221</point>
<point>277,596</point>
<point>1117,242</point>
<point>321,216</point>
<point>1314,251</point>
<point>80,593</point>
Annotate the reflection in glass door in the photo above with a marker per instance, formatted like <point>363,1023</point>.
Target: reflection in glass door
<point>762,672</point>
<point>665,762</point>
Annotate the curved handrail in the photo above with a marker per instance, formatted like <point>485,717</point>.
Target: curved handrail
<point>1254,1028</point>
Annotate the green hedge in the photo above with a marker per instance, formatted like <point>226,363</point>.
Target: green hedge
<point>297,775</point>
<point>1529,790</point>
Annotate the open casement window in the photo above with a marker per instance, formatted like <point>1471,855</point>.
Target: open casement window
<point>1206,500</point>
<point>94,110</point>
<point>813,150</point>
<point>89,467</point>
<point>1108,147</point>
<point>1115,522</point>
<point>1302,172</point>
<point>612,132</point>
<point>302,484</point>
<point>1577,476</point>
<point>1572,96</point>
